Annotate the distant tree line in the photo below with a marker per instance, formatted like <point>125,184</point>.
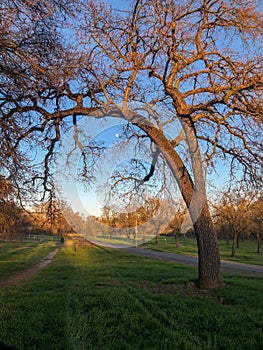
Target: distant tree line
<point>239,216</point>
<point>40,219</point>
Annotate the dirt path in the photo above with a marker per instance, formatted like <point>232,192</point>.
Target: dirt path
<point>25,274</point>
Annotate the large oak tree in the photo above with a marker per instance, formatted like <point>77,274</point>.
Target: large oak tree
<point>200,59</point>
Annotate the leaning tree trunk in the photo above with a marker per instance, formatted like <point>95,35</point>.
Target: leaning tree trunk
<point>210,275</point>
<point>209,264</point>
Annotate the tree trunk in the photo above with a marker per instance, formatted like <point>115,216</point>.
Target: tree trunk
<point>234,245</point>
<point>209,263</point>
<point>260,246</point>
<point>237,241</point>
<point>176,240</point>
<point>259,241</point>
<point>194,195</point>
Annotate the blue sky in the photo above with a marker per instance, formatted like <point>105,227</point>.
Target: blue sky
<point>89,199</point>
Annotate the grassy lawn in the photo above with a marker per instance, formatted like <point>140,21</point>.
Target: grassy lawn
<point>246,253</point>
<point>18,256</point>
<point>104,299</point>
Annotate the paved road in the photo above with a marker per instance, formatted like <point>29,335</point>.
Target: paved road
<point>229,267</point>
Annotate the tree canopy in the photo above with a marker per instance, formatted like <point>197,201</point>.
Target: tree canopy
<point>200,60</point>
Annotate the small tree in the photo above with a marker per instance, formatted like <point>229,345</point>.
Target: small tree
<point>232,216</point>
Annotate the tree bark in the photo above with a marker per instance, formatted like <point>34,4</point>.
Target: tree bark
<point>237,241</point>
<point>209,264</point>
<point>176,240</point>
<point>194,195</point>
<point>259,241</point>
<point>234,245</point>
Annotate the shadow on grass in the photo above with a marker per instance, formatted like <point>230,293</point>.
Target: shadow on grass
<point>102,299</point>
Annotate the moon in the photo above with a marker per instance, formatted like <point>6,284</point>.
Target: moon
<point>117,135</point>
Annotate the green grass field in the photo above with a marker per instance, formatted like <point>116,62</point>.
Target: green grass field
<point>18,256</point>
<point>246,253</point>
<point>104,299</point>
